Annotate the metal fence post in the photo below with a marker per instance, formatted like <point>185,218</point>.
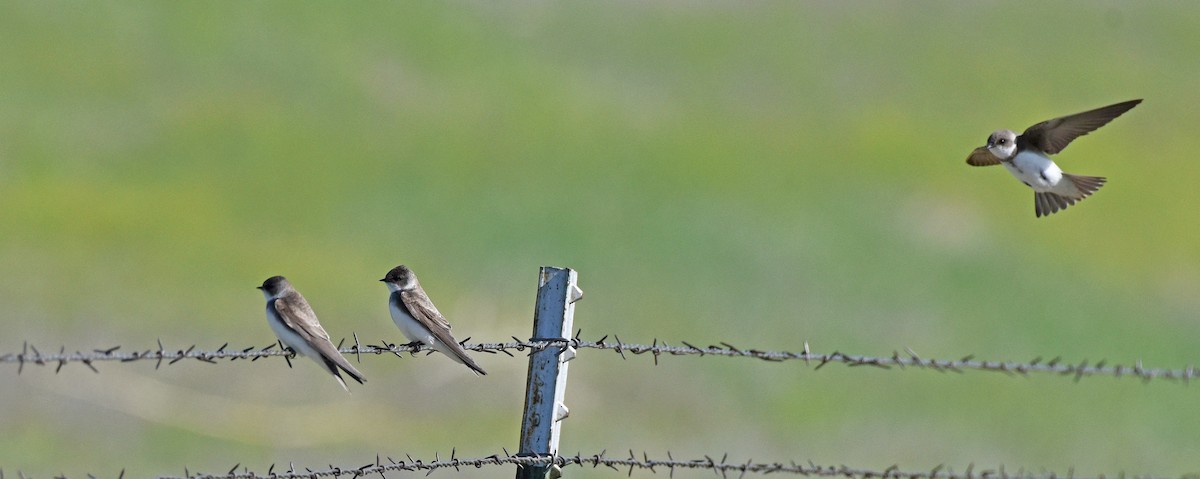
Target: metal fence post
<point>553,318</point>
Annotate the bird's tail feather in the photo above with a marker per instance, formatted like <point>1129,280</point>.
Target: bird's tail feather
<point>1046,203</point>
<point>1085,184</point>
<point>340,381</point>
<point>457,353</point>
<point>345,366</point>
<point>349,369</point>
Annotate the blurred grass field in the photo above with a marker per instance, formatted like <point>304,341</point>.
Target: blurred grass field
<point>763,173</point>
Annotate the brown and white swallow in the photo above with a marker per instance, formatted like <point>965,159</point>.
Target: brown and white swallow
<point>1027,156</point>
<point>419,319</point>
<point>295,323</point>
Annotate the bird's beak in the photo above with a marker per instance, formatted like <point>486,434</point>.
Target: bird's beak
<point>384,280</point>
<point>258,287</point>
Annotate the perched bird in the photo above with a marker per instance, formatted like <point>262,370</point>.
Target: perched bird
<point>1027,156</point>
<point>295,323</point>
<point>419,319</point>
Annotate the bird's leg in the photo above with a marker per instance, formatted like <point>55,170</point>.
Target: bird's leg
<point>416,345</point>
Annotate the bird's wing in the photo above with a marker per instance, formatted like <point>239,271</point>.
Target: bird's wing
<point>298,316</point>
<point>418,305</point>
<point>1051,136</point>
<point>422,309</point>
<point>982,157</point>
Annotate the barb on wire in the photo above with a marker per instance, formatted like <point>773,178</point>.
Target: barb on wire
<point>658,349</point>
<point>644,462</point>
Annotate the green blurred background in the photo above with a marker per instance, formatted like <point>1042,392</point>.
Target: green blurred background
<point>761,173</point>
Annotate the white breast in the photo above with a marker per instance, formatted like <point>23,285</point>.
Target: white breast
<point>289,337</point>
<point>1035,170</point>
<point>412,330</point>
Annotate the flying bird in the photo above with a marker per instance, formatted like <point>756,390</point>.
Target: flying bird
<point>1027,156</point>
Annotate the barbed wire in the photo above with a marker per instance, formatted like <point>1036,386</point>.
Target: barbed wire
<point>723,466</point>
<point>909,359</point>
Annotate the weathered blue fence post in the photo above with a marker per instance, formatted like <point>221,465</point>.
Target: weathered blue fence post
<point>553,318</point>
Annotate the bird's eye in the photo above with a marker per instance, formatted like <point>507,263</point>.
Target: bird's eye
<point>1003,141</point>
